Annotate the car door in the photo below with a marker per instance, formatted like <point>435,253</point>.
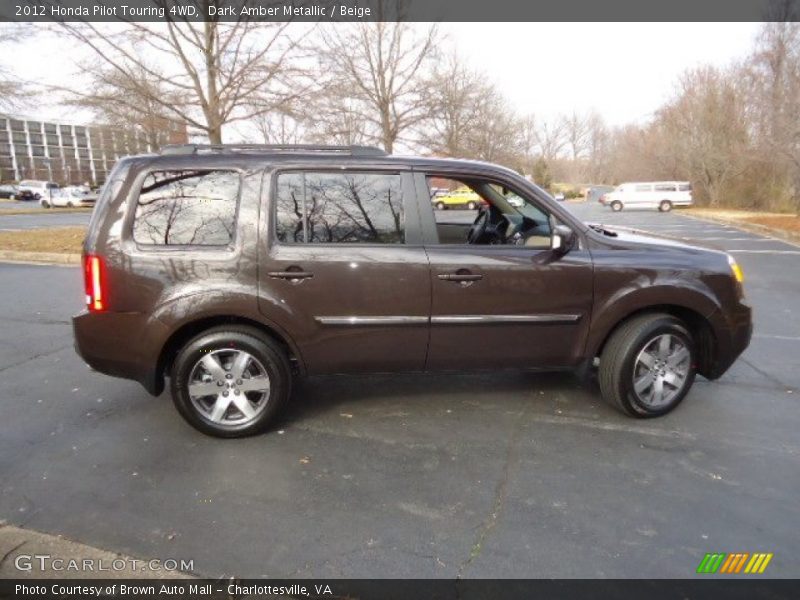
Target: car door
<point>496,306</point>
<point>343,270</point>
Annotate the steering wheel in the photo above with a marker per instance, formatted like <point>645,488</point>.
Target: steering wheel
<point>478,227</point>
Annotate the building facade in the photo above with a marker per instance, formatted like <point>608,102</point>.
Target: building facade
<point>72,154</point>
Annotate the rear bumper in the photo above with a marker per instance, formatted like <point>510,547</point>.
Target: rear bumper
<point>113,344</point>
<point>733,337</point>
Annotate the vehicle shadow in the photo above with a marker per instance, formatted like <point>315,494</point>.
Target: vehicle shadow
<point>320,395</point>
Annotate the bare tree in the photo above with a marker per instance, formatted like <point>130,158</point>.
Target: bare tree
<point>705,128</point>
<point>455,108</point>
<point>136,98</point>
<point>380,66</point>
<point>551,137</point>
<point>207,74</point>
<point>10,86</point>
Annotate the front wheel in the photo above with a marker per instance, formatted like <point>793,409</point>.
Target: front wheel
<point>648,365</point>
<point>471,206</point>
<point>230,381</point>
<point>440,206</point>
<point>45,204</point>
<point>616,206</point>
<point>665,206</point>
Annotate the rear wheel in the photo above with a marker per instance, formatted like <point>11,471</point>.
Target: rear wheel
<point>230,381</point>
<point>665,206</point>
<point>471,205</point>
<point>616,206</point>
<point>70,204</point>
<point>647,367</point>
<point>45,204</point>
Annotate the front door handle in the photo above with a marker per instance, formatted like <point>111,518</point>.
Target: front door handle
<point>462,276</point>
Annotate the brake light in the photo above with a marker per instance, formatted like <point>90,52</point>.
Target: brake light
<point>94,277</point>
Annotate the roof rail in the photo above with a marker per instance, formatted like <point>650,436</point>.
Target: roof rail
<point>182,149</point>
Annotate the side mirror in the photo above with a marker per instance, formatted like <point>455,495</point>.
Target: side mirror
<point>562,239</point>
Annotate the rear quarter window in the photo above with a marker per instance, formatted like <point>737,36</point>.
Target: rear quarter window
<point>187,208</point>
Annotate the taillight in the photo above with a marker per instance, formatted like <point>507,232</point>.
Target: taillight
<point>94,277</point>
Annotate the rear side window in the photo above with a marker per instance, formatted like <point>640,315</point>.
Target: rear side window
<point>685,187</point>
<point>195,208</point>
<point>665,187</point>
<point>345,208</point>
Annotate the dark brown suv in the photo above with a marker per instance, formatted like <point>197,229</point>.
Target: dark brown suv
<point>232,269</point>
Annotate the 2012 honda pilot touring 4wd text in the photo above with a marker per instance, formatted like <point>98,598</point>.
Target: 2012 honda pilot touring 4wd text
<point>231,270</point>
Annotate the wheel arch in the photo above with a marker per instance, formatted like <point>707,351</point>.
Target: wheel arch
<point>701,328</point>
<point>178,338</point>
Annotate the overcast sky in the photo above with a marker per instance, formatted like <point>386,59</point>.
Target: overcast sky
<point>624,71</point>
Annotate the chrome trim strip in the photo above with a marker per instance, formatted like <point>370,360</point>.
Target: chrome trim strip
<point>463,319</point>
<point>387,320</point>
<point>447,319</point>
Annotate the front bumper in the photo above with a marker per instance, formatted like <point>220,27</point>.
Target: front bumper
<point>733,337</point>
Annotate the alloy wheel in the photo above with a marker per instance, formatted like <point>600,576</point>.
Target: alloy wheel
<point>229,387</point>
<point>661,370</point>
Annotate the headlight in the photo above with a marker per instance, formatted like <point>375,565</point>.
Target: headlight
<point>736,270</point>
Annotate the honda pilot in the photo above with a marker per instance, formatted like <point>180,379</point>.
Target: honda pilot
<point>230,271</point>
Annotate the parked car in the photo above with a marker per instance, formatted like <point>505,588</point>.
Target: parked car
<point>463,197</point>
<point>41,190</point>
<point>77,195</point>
<point>197,273</point>
<point>657,194</point>
<point>12,192</point>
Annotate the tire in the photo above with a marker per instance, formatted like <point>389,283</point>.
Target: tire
<point>616,206</point>
<point>623,362</point>
<point>665,206</point>
<point>471,206</point>
<point>440,206</point>
<point>70,204</point>
<point>45,204</point>
<point>37,197</point>
<point>267,362</point>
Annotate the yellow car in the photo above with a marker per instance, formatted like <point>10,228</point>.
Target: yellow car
<point>462,197</point>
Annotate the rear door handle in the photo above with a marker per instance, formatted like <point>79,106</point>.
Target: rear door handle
<point>290,274</point>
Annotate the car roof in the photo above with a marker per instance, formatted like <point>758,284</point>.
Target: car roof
<point>211,156</point>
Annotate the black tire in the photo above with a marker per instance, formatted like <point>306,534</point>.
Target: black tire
<point>616,206</point>
<point>440,206</point>
<point>37,197</point>
<point>471,206</point>
<point>45,204</point>
<point>618,361</point>
<point>665,206</point>
<point>70,204</point>
<point>230,338</point>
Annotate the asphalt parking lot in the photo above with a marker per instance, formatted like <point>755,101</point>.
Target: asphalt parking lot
<point>475,475</point>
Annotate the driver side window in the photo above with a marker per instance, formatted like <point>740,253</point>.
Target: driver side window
<point>480,212</point>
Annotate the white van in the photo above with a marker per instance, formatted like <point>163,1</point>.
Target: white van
<point>655,194</point>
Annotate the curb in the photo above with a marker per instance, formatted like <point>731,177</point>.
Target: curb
<point>65,559</point>
<point>49,258</point>
<point>779,234</point>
